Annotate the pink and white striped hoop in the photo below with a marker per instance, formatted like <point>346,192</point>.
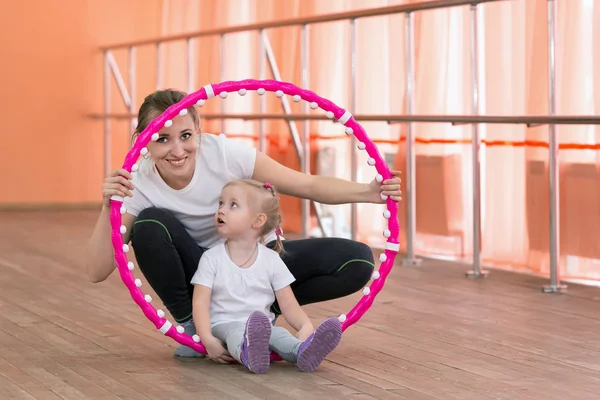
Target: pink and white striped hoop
<point>332,111</point>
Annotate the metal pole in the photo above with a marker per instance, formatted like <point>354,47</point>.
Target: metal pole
<point>304,58</point>
<point>262,146</point>
<point>222,73</point>
<point>190,66</point>
<point>296,139</point>
<point>353,162</point>
<point>107,144</point>
<point>158,66</point>
<point>114,69</point>
<point>553,178</point>
<point>132,109</point>
<point>411,201</point>
<point>476,272</point>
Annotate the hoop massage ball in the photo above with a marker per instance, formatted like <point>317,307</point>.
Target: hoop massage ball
<point>332,111</point>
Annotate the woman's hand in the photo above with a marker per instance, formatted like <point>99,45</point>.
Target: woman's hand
<point>118,183</point>
<point>216,351</point>
<point>389,187</point>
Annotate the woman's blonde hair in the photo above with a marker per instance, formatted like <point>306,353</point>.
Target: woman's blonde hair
<point>267,202</point>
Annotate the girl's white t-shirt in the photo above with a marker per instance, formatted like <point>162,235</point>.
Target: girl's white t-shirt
<point>238,292</point>
<point>219,160</point>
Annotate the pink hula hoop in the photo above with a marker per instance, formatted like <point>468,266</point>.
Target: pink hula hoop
<point>157,317</point>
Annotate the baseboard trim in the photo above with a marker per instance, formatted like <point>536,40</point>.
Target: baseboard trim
<point>50,206</point>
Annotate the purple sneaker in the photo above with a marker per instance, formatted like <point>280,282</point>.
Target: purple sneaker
<point>314,349</point>
<point>255,346</point>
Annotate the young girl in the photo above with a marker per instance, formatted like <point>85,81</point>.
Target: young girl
<point>238,280</point>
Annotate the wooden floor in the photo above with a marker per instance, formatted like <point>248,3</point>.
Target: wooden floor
<point>431,334</point>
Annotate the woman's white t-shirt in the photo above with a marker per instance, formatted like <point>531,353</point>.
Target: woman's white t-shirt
<point>219,160</point>
<point>238,292</point>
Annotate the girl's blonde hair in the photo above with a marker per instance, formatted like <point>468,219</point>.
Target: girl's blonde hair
<point>267,202</point>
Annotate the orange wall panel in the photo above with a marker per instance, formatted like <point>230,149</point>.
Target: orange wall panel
<point>51,78</point>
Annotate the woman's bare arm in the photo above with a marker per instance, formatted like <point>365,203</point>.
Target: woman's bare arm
<point>323,189</point>
<point>100,260</point>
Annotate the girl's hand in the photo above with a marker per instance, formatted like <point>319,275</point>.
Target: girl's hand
<point>118,183</point>
<point>217,352</point>
<point>389,187</point>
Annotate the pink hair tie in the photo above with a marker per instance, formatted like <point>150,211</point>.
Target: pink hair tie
<point>268,185</point>
<point>278,232</point>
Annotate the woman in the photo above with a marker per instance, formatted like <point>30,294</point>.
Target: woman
<point>171,202</point>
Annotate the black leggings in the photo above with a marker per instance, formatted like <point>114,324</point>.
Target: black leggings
<point>324,268</point>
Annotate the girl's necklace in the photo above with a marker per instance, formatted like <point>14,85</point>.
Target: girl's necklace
<point>249,258</point>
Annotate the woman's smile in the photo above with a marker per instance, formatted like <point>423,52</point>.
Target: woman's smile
<point>177,162</point>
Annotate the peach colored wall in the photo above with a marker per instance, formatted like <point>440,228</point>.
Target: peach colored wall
<point>51,79</point>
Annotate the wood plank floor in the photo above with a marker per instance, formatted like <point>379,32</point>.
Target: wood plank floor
<point>432,334</point>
